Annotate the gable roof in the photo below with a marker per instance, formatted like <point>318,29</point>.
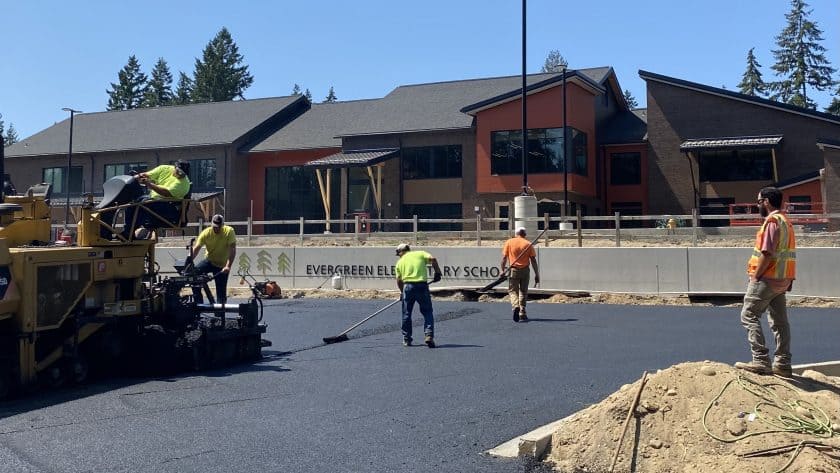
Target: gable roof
<point>216,123</point>
<point>318,127</point>
<point>554,80</point>
<point>650,76</point>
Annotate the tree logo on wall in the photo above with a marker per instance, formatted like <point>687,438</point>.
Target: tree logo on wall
<point>244,263</point>
<point>284,264</point>
<point>263,262</point>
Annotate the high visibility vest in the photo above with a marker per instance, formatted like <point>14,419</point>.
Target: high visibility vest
<point>783,262</point>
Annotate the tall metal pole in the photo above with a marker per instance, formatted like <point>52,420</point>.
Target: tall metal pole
<point>524,109</point>
<point>565,150</point>
<point>67,177</point>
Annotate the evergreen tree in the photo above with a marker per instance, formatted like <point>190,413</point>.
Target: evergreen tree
<point>331,96</point>
<point>220,75</point>
<point>129,91</point>
<point>834,108</point>
<point>159,91</point>
<point>183,94</point>
<point>800,59</point>
<point>555,62</point>
<point>752,83</point>
<point>11,136</point>
<point>631,101</point>
<point>296,90</point>
<point>308,95</point>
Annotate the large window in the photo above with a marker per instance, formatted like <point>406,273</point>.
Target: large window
<point>431,162</point>
<point>625,168</point>
<point>57,176</point>
<point>203,174</point>
<point>736,165</point>
<point>291,193</point>
<point>121,169</point>
<point>545,151</point>
<point>628,208</point>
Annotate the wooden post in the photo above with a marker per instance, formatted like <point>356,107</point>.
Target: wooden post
<point>546,219</point>
<point>415,225</point>
<point>579,231</point>
<point>301,229</point>
<point>617,229</point>
<point>356,227</point>
<point>250,230</point>
<point>478,229</point>
<point>694,223</point>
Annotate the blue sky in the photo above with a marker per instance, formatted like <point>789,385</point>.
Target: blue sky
<point>65,54</point>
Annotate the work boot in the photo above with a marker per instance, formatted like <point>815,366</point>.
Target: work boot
<point>516,314</point>
<point>430,342</point>
<point>784,371</point>
<point>754,367</point>
<point>406,342</point>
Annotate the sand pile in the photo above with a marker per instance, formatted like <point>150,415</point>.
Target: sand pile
<point>706,417</point>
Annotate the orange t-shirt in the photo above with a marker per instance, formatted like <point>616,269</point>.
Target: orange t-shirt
<point>514,247</point>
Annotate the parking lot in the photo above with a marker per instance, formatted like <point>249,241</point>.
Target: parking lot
<point>370,404</point>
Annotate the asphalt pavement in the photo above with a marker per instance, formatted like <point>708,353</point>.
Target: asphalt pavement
<point>371,405</point>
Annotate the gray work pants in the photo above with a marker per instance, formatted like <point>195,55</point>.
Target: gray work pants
<point>760,297</point>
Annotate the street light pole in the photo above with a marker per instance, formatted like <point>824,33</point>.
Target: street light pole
<point>565,150</point>
<point>524,109</point>
<point>67,177</point>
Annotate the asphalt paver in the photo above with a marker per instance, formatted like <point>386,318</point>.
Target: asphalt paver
<point>371,405</point>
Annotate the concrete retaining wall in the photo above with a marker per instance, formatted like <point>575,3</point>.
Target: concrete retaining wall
<point>632,270</point>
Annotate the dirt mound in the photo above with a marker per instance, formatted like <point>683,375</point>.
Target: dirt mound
<point>706,417</point>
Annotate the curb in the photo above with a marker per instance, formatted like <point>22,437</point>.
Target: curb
<point>536,442</point>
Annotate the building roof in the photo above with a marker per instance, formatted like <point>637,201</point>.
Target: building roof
<point>318,127</point>
<point>216,123</point>
<point>823,143</point>
<point>650,76</point>
<point>732,142</point>
<point>437,105</point>
<point>625,127</point>
<point>351,159</point>
<point>797,180</point>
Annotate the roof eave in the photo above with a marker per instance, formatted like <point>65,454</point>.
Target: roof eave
<point>513,95</point>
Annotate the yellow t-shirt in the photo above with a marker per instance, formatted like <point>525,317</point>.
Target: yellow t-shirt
<point>411,267</point>
<point>164,176</point>
<point>217,245</point>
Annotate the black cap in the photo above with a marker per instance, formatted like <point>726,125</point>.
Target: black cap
<point>183,165</point>
<point>217,220</point>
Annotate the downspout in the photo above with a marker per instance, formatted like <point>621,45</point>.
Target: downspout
<point>693,183</point>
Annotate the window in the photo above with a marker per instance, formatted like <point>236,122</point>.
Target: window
<point>545,151</point>
<point>293,192</point>
<point>121,169</point>
<point>799,204</point>
<point>431,162</point>
<point>736,165</point>
<point>57,177</point>
<point>625,169</point>
<point>715,206</point>
<point>359,192</point>
<point>203,174</point>
<point>432,211</point>
<point>628,208</point>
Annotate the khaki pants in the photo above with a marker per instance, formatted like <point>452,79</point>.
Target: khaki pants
<point>518,287</point>
<point>758,298</point>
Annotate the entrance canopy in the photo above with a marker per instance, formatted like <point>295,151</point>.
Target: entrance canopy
<point>731,142</point>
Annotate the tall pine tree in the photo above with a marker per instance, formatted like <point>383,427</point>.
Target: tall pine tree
<point>554,62</point>
<point>631,101</point>
<point>183,94</point>
<point>296,90</point>
<point>220,74</point>
<point>159,91</point>
<point>751,82</point>
<point>331,96</point>
<point>11,136</point>
<point>834,107</point>
<point>129,91</point>
<point>800,59</point>
<point>308,95</point>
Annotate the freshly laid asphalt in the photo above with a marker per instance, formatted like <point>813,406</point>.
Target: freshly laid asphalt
<point>371,405</point>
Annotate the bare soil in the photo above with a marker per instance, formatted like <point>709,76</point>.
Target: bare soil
<point>705,417</point>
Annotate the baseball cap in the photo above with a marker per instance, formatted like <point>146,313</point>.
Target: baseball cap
<point>520,230</point>
<point>217,220</point>
<point>403,247</point>
<point>183,166</point>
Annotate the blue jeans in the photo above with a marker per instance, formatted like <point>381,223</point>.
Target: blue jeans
<point>417,292</point>
<point>221,281</point>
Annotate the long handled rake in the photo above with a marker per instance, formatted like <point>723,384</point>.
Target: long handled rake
<point>343,335</point>
<point>502,277</point>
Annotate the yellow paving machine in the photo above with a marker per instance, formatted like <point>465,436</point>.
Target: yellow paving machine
<point>71,308</point>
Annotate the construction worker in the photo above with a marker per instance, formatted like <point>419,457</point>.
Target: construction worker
<point>772,269</point>
<point>519,253</point>
<point>412,283</point>
<point>220,240</point>
<point>168,184</point>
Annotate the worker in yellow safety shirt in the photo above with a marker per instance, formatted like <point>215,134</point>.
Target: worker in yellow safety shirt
<point>220,240</point>
<point>772,269</point>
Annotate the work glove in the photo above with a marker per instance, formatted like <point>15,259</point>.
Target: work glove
<point>437,277</point>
